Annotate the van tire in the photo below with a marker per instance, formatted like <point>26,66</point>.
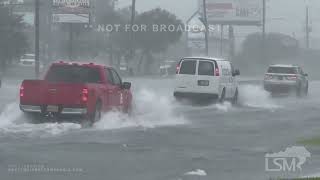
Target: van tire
<point>298,91</point>
<point>235,97</point>
<point>223,96</point>
<point>306,91</point>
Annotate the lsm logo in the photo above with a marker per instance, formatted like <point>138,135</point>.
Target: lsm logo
<point>290,160</point>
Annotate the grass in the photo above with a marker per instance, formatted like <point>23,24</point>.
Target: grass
<point>313,142</point>
<point>303,179</point>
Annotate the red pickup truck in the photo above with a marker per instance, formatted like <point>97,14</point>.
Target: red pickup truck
<point>75,89</point>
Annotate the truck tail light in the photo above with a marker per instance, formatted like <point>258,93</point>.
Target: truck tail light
<point>216,72</point>
<point>21,91</point>
<point>84,95</point>
<point>178,68</point>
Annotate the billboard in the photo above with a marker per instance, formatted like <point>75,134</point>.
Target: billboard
<point>71,11</point>
<point>233,12</point>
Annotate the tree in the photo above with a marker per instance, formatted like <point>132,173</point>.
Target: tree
<point>158,29</point>
<point>278,47</point>
<point>118,40</point>
<point>12,39</point>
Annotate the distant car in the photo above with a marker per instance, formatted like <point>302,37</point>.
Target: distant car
<point>27,60</point>
<point>203,79</point>
<point>168,68</point>
<point>74,89</point>
<point>285,79</point>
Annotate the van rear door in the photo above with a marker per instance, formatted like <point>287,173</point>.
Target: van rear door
<point>186,80</point>
<point>207,80</point>
<point>197,76</point>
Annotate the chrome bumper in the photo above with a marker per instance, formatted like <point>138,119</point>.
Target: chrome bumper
<point>29,108</point>
<point>64,111</point>
<point>74,111</point>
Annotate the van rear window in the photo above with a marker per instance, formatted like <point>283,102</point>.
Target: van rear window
<point>282,70</point>
<point>188,67</point>
<point>206,68</point>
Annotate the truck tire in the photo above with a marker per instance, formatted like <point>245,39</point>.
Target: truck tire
<point>92,118</point>
<point>97,113</point>
<point>128,110</point>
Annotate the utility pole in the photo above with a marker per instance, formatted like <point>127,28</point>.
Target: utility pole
<point>231,42</point>
<point>187,32</point>
<point>70,42</point>
<point>132,49</point>
<point>263,47</point>
<point>133,16</point>
<point>49,42</point>
<point>37,38</point>
<point>205,19</point>
<point>307,28</point>
<point>221,40</point>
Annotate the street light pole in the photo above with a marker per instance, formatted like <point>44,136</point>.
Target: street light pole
<point>187,32</point>
<point>307,28</point>
<point>263,29</point>
<point>206,27</point>
<point>133,16</point>
<point>37,38</point>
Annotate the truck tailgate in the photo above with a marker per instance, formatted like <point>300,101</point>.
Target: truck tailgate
<point>65,94</point>
<point>41,92</point>
<point>32,92</point>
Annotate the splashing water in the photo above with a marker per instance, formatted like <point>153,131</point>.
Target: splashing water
<point>10,115</point>
<point>224,107</point>
<point>255,96</point>
<point>150,110</point>
<point>13,121</point>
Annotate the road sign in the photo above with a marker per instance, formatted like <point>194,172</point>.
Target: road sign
<point>233,12</point>
<point>71,11</point>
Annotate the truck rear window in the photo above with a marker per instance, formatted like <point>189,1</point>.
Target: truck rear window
<point>188,67</point>
<point>73,74</point>
<point>282,70</point>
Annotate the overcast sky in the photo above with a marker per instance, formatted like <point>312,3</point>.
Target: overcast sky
<point>285,16</point>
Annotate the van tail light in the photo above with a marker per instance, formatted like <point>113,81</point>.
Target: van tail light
<point>84,95</point>
<point>21,91</point>
<point>292,78</point>
<point>178,69</point>
<point>216,72</point>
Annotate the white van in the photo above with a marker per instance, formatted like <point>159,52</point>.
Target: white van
<point>206,78</point>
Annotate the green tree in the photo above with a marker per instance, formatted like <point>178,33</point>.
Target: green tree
<point>278,47</point>
<point>117,41</point>
<point>12,39</point>
<point>162,30</point>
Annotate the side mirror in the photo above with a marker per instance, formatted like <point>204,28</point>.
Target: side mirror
<point>306,74</point>
<point>236,72</point>
<point>126,85</point>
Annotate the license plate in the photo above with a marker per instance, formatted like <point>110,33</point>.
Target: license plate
<point>53,109</point>
<point>203,83</point>
<point>280,78</point>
